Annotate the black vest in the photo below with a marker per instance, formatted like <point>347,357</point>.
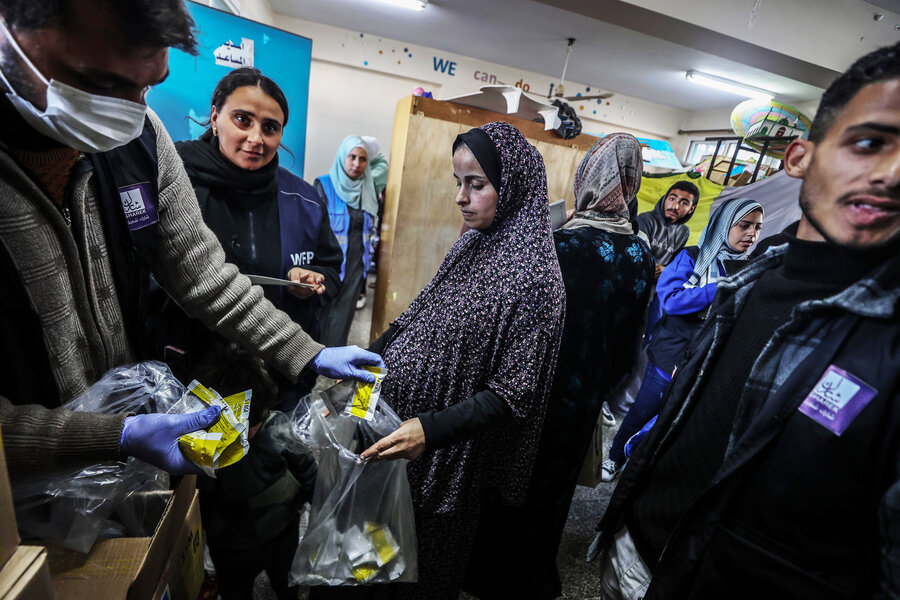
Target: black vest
<point>24,363</point>
<point>132,248</point>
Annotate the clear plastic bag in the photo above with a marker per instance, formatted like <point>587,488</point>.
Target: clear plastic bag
<point>361,525</point>
<point>73,508</point>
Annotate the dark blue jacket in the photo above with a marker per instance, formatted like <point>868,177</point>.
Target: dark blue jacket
<point>305,236</point>
<point>307,241</point>
<point>683,310</point>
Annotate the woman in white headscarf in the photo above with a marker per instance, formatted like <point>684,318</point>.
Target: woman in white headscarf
<point>349,191</point>
<point>686,290</point>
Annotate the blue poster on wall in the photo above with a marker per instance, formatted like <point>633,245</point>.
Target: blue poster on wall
<point>659,153</point>
<point>226,42</point>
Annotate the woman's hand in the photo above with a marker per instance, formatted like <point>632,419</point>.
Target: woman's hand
<point>304,276</point>
<point>407,442</point>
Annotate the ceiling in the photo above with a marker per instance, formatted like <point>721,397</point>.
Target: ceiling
<point>627,50</point>
<point>891,5</point>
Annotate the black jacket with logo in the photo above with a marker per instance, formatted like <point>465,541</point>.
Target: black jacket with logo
<point>795,511</point>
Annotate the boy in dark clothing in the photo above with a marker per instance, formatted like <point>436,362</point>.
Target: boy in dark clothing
<point>250,511</point>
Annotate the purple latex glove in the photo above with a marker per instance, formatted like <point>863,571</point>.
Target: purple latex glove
<point>154,438</point>
<point>345,361</point>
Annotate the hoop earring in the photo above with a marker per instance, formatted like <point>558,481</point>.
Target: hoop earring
<point>215,131</point>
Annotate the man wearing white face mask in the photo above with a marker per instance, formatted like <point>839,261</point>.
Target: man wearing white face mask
<point>93,201</point>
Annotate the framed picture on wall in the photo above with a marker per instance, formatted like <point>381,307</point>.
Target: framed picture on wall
<point>226,42</point>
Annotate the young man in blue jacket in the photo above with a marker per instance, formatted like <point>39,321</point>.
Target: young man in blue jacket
<point>774,468</point>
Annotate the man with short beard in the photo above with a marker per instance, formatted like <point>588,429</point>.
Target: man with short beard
<point>665,225</point>
<point>773,471</point>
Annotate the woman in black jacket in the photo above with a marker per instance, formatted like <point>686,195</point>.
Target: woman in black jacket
<point>269,221</point>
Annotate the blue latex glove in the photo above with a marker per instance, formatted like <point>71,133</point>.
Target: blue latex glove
<point>154,438</point>
<point>345,361</point>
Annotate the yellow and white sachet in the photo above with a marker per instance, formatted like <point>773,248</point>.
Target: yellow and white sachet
<point>225,441</point>
<point>365,398</point>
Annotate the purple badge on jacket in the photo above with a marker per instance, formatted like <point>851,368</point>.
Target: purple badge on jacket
<point>836,399</point>
<point>139,205</point>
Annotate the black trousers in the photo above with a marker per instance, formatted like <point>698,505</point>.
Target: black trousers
<point>336,318</point>
<point>237,569</point>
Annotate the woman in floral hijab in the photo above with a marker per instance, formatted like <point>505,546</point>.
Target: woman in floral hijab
<point>607,273</point>
<point>471,360</point>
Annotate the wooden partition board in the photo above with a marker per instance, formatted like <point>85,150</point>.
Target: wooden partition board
<point>421,220</point>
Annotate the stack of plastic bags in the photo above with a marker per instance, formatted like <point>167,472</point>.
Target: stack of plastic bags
<point>73,508</point>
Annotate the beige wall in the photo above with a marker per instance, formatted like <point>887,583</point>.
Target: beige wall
<point>346,99</point>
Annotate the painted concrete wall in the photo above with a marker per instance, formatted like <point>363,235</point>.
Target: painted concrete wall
<point>357,79</point>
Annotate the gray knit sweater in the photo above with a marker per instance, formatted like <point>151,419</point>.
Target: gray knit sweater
<point>68,278</point>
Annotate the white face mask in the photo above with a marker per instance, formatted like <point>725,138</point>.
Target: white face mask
<point>83,121</point>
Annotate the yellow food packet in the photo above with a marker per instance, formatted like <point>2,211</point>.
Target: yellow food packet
<point>365,398</point>
<point>386,546</point>
<point>228,424</point>
<point>240,406</point>
<point>364,572</point>
<point>200,447</point>
<point>236,450</point>
<point>225,441</point>
<point>233,453</point>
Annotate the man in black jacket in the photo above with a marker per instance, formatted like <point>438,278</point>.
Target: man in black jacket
<point>773,469</point>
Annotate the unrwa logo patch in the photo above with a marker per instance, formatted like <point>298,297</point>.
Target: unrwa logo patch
<point>139,205</point>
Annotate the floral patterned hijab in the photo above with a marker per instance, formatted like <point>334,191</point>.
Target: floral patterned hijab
<point>490,319</point>
<point>607,183</point>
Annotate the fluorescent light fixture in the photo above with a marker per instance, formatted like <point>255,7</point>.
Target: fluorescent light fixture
<point>410,4</point>
<point>726,85</point>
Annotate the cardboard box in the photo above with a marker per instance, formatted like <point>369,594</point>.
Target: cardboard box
<point>25,575</point>
<point>183,575</point>
<point>132,568</point>
<point>9,533</point>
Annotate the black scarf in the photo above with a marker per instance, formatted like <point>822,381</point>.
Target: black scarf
<point>239,205</point>
<point>211,172</point>
<point>485,153</point>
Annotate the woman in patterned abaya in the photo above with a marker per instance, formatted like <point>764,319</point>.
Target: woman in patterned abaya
<point>608,273</point>
<point>471,360</point>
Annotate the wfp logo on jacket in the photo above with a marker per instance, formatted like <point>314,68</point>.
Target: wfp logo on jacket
<point>300,259</point>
